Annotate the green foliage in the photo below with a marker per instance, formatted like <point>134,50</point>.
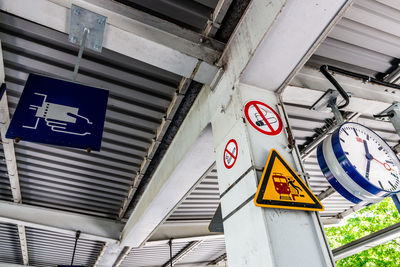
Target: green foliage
<point>364,222</point>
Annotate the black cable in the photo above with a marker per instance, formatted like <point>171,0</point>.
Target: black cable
<point>363,77</point>
<point>170,251</point>
<point>325,71</point>
<point>78,233</point>
<point>389,115</point>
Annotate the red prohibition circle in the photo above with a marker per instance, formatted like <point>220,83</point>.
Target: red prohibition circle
<point>226,151</point>
<point>256,104</point>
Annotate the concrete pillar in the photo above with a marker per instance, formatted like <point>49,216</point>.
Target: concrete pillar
<point>255,236</point>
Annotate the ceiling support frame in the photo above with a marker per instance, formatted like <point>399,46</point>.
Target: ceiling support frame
<point>11,160</point>
<point>165,48</point>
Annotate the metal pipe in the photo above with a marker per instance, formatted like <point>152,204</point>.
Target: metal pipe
<point>170,251</point>
<point>366,242</point>
<point>362,77</point>
<point>325,71</point>
<point>78,60</point>
<point>78,233</point>
<point>394,76</point>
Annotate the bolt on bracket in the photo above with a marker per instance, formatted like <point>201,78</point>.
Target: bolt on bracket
<point>391,114</point>
<point>94,23</point>
<point>331,99</point>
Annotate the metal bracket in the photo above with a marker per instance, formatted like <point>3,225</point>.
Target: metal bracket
<point>392,114</point>
<point>82,19</point>
<point>331,99</point>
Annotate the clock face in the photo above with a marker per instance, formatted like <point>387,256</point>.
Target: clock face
<point>371,156</point>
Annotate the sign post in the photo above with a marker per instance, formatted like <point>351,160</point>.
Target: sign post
<point>266,234</point>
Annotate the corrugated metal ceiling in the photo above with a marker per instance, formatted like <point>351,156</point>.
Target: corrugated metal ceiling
<point>47,249</point>
<point>207,251</point>
<point>10,249</point>
<point>364,41</point>
<point>69,179</point>
<point>152,255</point>
<point>367,41</point>
<point>201,203</point>
<point>191,14</point>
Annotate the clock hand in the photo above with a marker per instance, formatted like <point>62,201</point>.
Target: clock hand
<point>387,166</point>
<point>367,154</point>
<point>369,158</point>
<point>367,170</point>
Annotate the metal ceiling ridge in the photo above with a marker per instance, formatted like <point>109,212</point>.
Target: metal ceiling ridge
<point>159,23</point>
<point>131,20</point>
<point>169,119</point>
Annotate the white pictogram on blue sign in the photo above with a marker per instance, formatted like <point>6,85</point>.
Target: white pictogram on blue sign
<point>58,112</point>
<point>60,118</point>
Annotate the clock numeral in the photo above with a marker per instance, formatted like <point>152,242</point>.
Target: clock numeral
<point>380,184</point>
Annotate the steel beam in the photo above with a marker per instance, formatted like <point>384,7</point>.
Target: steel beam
<point>2,264</point>
<point>11,161</point>
<point>216,18</point>
<point>366,98</point>
<point>178,230</point>
<point>218,260</point>
<point>157,201</point>
<point>108,255</point>
<point>152,207</point>
<point>183,240</point>
<point>367,242</point>
<point>93,228</point>
<point>208,103</point>
<point>330,221</point>
<point>178,257</point>
<point>8,145</point>
<point>297,32</point>
<point>159,43</point>
<point>23,243</point>
<point>327,193</point>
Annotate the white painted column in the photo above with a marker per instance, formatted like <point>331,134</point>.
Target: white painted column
<point>260,236</point>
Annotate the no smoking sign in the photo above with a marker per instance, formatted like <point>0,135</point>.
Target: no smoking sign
<point>230,153</point>
<point>263,118</point>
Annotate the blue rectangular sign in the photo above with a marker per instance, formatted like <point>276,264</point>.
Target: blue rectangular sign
<point>58,112</point>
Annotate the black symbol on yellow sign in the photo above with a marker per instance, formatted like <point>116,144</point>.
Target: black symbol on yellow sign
<point>281,187</point>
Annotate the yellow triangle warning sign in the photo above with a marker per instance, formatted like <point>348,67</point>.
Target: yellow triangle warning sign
<point>281,187</point>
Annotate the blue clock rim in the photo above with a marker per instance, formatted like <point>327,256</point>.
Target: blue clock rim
<point>350,169</point>
<point>332,179</point>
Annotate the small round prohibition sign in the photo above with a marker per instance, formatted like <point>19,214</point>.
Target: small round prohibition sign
<point>230,153</point>
<point>263,118</point>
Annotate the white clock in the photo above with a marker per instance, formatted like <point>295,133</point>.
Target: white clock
<point>359,164</point>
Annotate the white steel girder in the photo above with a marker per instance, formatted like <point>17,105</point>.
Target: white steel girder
<point>367,242</point>
<point>366,98</point>
<point>296,34</point>
<point>132,33</point>
<point>11,161</point>
<point>255,24</point>
<point>92,228</point>
<point>241,47</point>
